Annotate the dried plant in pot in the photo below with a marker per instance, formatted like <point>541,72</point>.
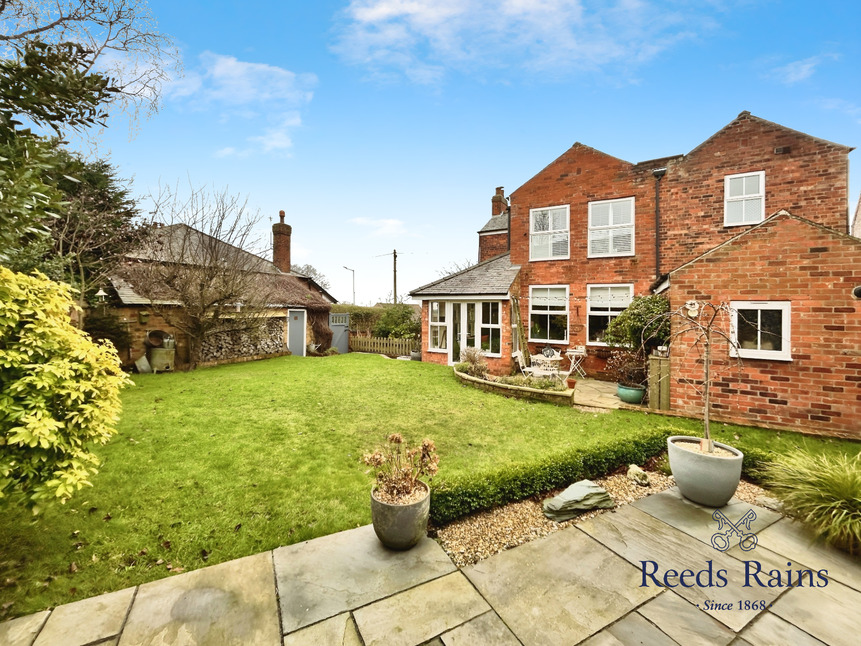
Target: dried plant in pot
<point>400,499</point>
<point>628,370</point>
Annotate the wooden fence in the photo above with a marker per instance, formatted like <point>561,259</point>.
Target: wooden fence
<point>390,347</point>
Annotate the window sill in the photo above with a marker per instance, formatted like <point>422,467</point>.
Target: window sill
<point>438,350</point>
<point>727,225</point>
<point>615,255</point>
<point>568,257</point>
<point>762,356</point>
<point>565,342</point>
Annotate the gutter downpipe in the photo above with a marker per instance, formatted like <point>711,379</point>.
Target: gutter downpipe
<point>658,173</point>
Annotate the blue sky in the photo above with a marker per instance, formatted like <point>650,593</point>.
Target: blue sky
<point>387,124</point>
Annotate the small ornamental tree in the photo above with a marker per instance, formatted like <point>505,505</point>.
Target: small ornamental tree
<point>59,393</point>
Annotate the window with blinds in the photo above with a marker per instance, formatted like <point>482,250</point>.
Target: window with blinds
<point>744,199</point>
<point>548,233</point>
<point>611,228</point>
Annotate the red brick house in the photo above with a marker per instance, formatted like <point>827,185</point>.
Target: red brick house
<point>590,231</point>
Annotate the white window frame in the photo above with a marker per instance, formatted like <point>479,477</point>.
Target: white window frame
<point>742,198</point>
<point>785,307</point>
<point>479,324</point>
<point>551,232</point>
<point>532,311</point>
<point>611,228</point>
<point>446,314</point>
<point>612,315</point>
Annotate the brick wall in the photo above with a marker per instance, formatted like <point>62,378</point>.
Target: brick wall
<point>491,245</point>
<point>785,259</point>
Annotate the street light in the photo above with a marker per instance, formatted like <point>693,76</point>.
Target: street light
<point>354,282</point>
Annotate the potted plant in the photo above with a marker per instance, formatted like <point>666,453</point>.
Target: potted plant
<point>628,370</point>
<point>706,472</point>
<point>400,501</point>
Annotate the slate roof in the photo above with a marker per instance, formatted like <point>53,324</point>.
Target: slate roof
<point>495,223</point>
<point>489,278</point>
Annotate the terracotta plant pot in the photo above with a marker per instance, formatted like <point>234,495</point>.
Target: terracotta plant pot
<point>399,527</point>
<point>572,383</point>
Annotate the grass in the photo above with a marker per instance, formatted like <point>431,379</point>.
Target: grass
<point>230,461</point>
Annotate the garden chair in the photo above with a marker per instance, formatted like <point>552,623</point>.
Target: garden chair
<point>576,357</point>
<point>529,371</point>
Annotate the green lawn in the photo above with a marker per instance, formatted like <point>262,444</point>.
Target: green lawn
<point>230,461</point>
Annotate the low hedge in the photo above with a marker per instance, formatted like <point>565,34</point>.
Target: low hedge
<point>455,498</point>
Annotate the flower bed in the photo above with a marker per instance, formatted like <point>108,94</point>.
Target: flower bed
<point>559,398</point>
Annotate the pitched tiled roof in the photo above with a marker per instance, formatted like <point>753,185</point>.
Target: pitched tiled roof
<point>495,223</point>
<point>489,278</point>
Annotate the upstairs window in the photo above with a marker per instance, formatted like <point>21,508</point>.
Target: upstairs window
<point>548,233</point>
<point>744,199</point>
<point>761,330</point>
<point>605,302</point>
<point>611,228</point>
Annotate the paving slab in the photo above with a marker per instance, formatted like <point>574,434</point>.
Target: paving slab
<point>655,547</point>
<point>800,546</point>
<point>631,630</point>
<point>87,620</point>
<point>335,631</point>
<point>769,629</point>
<point>23,630</point>
<point>485,629</point>
<point>697,520</point>
<point>830,613</point>
<point>684,622</point>
<point>421,613</point>
<point>227,604</point>
<point>327,576</point>
<point>559,589</point>
<point>598,394</point>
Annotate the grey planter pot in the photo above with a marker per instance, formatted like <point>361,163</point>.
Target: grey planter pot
<point>706,479</point>
<point>399,527</point>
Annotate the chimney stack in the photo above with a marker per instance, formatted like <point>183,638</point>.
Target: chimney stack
<point>498,203</point>
<point>281,233</point>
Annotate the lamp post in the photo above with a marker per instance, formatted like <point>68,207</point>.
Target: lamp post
<point>354,282</point>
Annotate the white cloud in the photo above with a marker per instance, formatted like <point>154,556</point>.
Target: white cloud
<point>798,71</point>
<point>387,228</point>
<point>256,95</point>
<point>848,108</point>
<point>421,39</point>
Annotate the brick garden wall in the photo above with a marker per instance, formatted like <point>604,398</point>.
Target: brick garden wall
<point>786,259</point>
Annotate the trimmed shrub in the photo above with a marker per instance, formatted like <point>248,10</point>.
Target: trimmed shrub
<point>539,383</point>
<point>454,498</point>
<point>643,324</point>
<point>59,392</point>
<point>823,492</point>
<point>472,363</point>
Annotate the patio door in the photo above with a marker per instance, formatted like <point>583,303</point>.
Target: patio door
<point>462,329</point>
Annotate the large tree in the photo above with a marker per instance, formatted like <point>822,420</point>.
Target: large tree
<point>313,273</point>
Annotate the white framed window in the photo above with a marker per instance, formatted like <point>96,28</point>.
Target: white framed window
<point>744,199</point>
<point>437,328</point>
<point>490,328</point>
<point>761,330</point>
<point>548,233</point>
<point>611,228</point>
<point>605,302</point>
<point>548,313</point>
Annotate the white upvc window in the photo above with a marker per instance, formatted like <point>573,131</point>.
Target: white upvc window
<point>761,330</point>
<point>605,302</point>
<point>611,228</point>
<point>548,233</point>
<point>744,199</point>
<point>437,327</point>
<point>548,313</point>
<point>490,328</point>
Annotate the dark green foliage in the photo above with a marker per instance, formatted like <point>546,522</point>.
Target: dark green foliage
<point>457,497</point>
<point>539,383</point>
<point>104,326</point>
<point>642,324</point>
<point>398,322</point>
<point>362,319</point>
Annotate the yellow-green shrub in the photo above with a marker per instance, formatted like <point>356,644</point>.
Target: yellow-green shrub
<point>59,392</point>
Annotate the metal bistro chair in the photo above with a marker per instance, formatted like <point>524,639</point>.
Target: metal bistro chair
<point>529,371</point>
<point>576,357</point>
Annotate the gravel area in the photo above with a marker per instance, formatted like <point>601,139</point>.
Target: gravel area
<point>473,538</point>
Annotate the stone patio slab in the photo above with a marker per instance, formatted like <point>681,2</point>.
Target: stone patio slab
<point>559,589</point>
<point>631,630</point>
<point>23,630</point>
<point>486,629</point>
<point>798,545</point>
<point>769,629</point>
<point>639,537</point>
<point>696,520</point>
<point>87,620</point>
<point>335,631</point>
<point>684,622</point>
<point>330,575</point>
<point>830,614</point>
<point>419,614</point>
<point>227,604</point>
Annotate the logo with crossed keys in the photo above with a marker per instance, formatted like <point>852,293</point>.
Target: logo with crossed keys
<point>746,540</point>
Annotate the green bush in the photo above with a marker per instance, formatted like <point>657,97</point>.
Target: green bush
<point>398,322</point>
<point>642,323</point>
<point>539,383</point>
<point>454,498</point>
<point>59,392</point>
<point>823,492</point>
<point>472,363</point>
<point>104,326</point>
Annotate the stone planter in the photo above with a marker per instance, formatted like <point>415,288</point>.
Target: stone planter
<point>399,527</point>
<point>416,355</point>
<point>707,479</point>
<point>631,394</point>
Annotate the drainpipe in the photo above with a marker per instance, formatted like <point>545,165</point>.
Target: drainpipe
<point>658,173</point>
